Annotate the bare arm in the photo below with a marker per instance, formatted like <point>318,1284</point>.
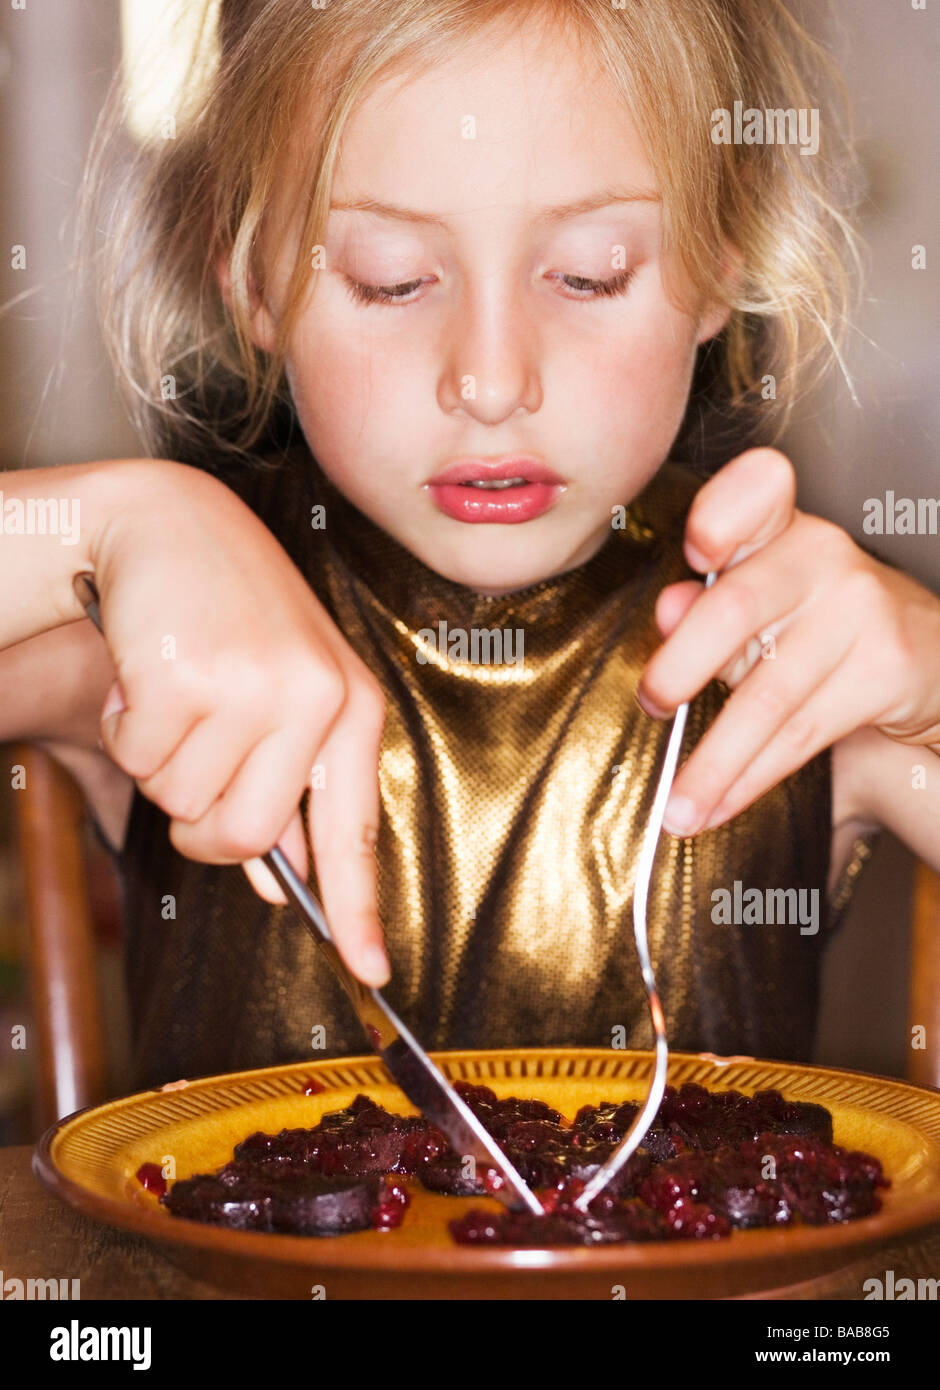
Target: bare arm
<point>53,687</point>
<point>878,781</point>
<point>63,512</point>
<point>54,668</point>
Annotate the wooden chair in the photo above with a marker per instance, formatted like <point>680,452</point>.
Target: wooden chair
<point>69,1055</point>
<point>924,988</point>
<point>68,1024</point>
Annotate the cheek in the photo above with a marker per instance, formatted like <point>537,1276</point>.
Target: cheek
<point>637,379</point>
<point>348,387</point>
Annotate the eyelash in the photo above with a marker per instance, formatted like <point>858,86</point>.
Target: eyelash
<point>385,294</point>
<point>619,284</point>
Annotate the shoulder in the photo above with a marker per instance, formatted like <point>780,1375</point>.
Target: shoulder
<point>282,487</point>
<point>266,479</point>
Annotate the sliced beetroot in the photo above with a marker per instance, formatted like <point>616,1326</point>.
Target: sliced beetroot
<point>499,1115</point>
<point>805,1118</point>
<point>290,1148</point>
<point>326,1206</point>
<point>533,1136</point>
<point>363,1138</point>
<point>305,1206</point>
<point>447,1175</point>
<point>763,1204</point>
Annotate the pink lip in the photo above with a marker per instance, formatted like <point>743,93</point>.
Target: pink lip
<point>531,499</point>
<point>513,466</point>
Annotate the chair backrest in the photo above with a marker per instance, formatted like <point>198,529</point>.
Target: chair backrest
<point>924,990</point>
<point>69,1054</point>
<point>71,1057</point>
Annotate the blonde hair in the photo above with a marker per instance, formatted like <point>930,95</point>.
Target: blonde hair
<point>162,218</point>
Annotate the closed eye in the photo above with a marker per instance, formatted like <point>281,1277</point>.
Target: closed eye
<point>383,294</point>
<point>404,293</point>
<point>595,289</point>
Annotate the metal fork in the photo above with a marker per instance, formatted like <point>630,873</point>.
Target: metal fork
<point>637,1132</point>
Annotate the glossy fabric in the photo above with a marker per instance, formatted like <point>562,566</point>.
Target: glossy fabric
<point>514,798</point>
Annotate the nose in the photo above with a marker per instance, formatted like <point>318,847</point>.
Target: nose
<point>491,364</point>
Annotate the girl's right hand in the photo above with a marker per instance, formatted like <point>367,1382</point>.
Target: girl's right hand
<point>233,685</point>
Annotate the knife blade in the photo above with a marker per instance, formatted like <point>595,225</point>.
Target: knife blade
<point>422,1082</point>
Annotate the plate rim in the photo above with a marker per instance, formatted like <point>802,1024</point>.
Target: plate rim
<point>788,1246</point>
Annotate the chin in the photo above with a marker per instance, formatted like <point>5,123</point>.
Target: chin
<point>501,564</point>
<point>492,580</point>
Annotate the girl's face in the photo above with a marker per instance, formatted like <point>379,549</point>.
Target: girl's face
<point>505,224</point>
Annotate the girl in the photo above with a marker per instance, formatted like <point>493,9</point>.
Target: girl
<point>424,295</point>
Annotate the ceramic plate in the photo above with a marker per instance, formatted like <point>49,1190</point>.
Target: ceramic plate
<point>90,1159</point>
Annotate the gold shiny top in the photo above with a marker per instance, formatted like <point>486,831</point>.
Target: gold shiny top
<point>517,774</point>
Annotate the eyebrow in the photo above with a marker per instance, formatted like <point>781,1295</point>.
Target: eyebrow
<point>559,213</point>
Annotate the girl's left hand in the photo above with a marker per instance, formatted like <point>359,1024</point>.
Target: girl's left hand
<point>815,638</point>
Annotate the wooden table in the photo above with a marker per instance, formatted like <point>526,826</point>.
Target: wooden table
<point>42,1237</point>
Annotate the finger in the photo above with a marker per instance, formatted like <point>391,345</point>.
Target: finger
<point>758,648</point>
<point>292,843</point>
<point>749,502</point>
<point>254,810</point>
<point>822,721</point>
<point>746,600</point>
<point>198,772</point>
<point>674,602</point>
<point>671,607</point>
<point>772,696</point>
<point>140,734</point>
<point>344,824</point>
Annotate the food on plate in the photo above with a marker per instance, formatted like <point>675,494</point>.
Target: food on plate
<point>712,1161</point>
<point>294,1203</point>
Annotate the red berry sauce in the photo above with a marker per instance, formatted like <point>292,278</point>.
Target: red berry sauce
<point>150,1176</point>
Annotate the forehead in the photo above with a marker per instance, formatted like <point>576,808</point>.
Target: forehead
<point>520,119</point>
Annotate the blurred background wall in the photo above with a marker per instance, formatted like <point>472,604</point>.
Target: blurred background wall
<point>56,394</point>
<point>58,404</point>
<point>847,453</point>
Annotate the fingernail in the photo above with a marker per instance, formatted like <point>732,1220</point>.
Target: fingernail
<point>114,702</point>
<point>696,559</point>
<point>648,707</point>
<point>682,816</point>
<point>263,881</point>
<point>375,965</point>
